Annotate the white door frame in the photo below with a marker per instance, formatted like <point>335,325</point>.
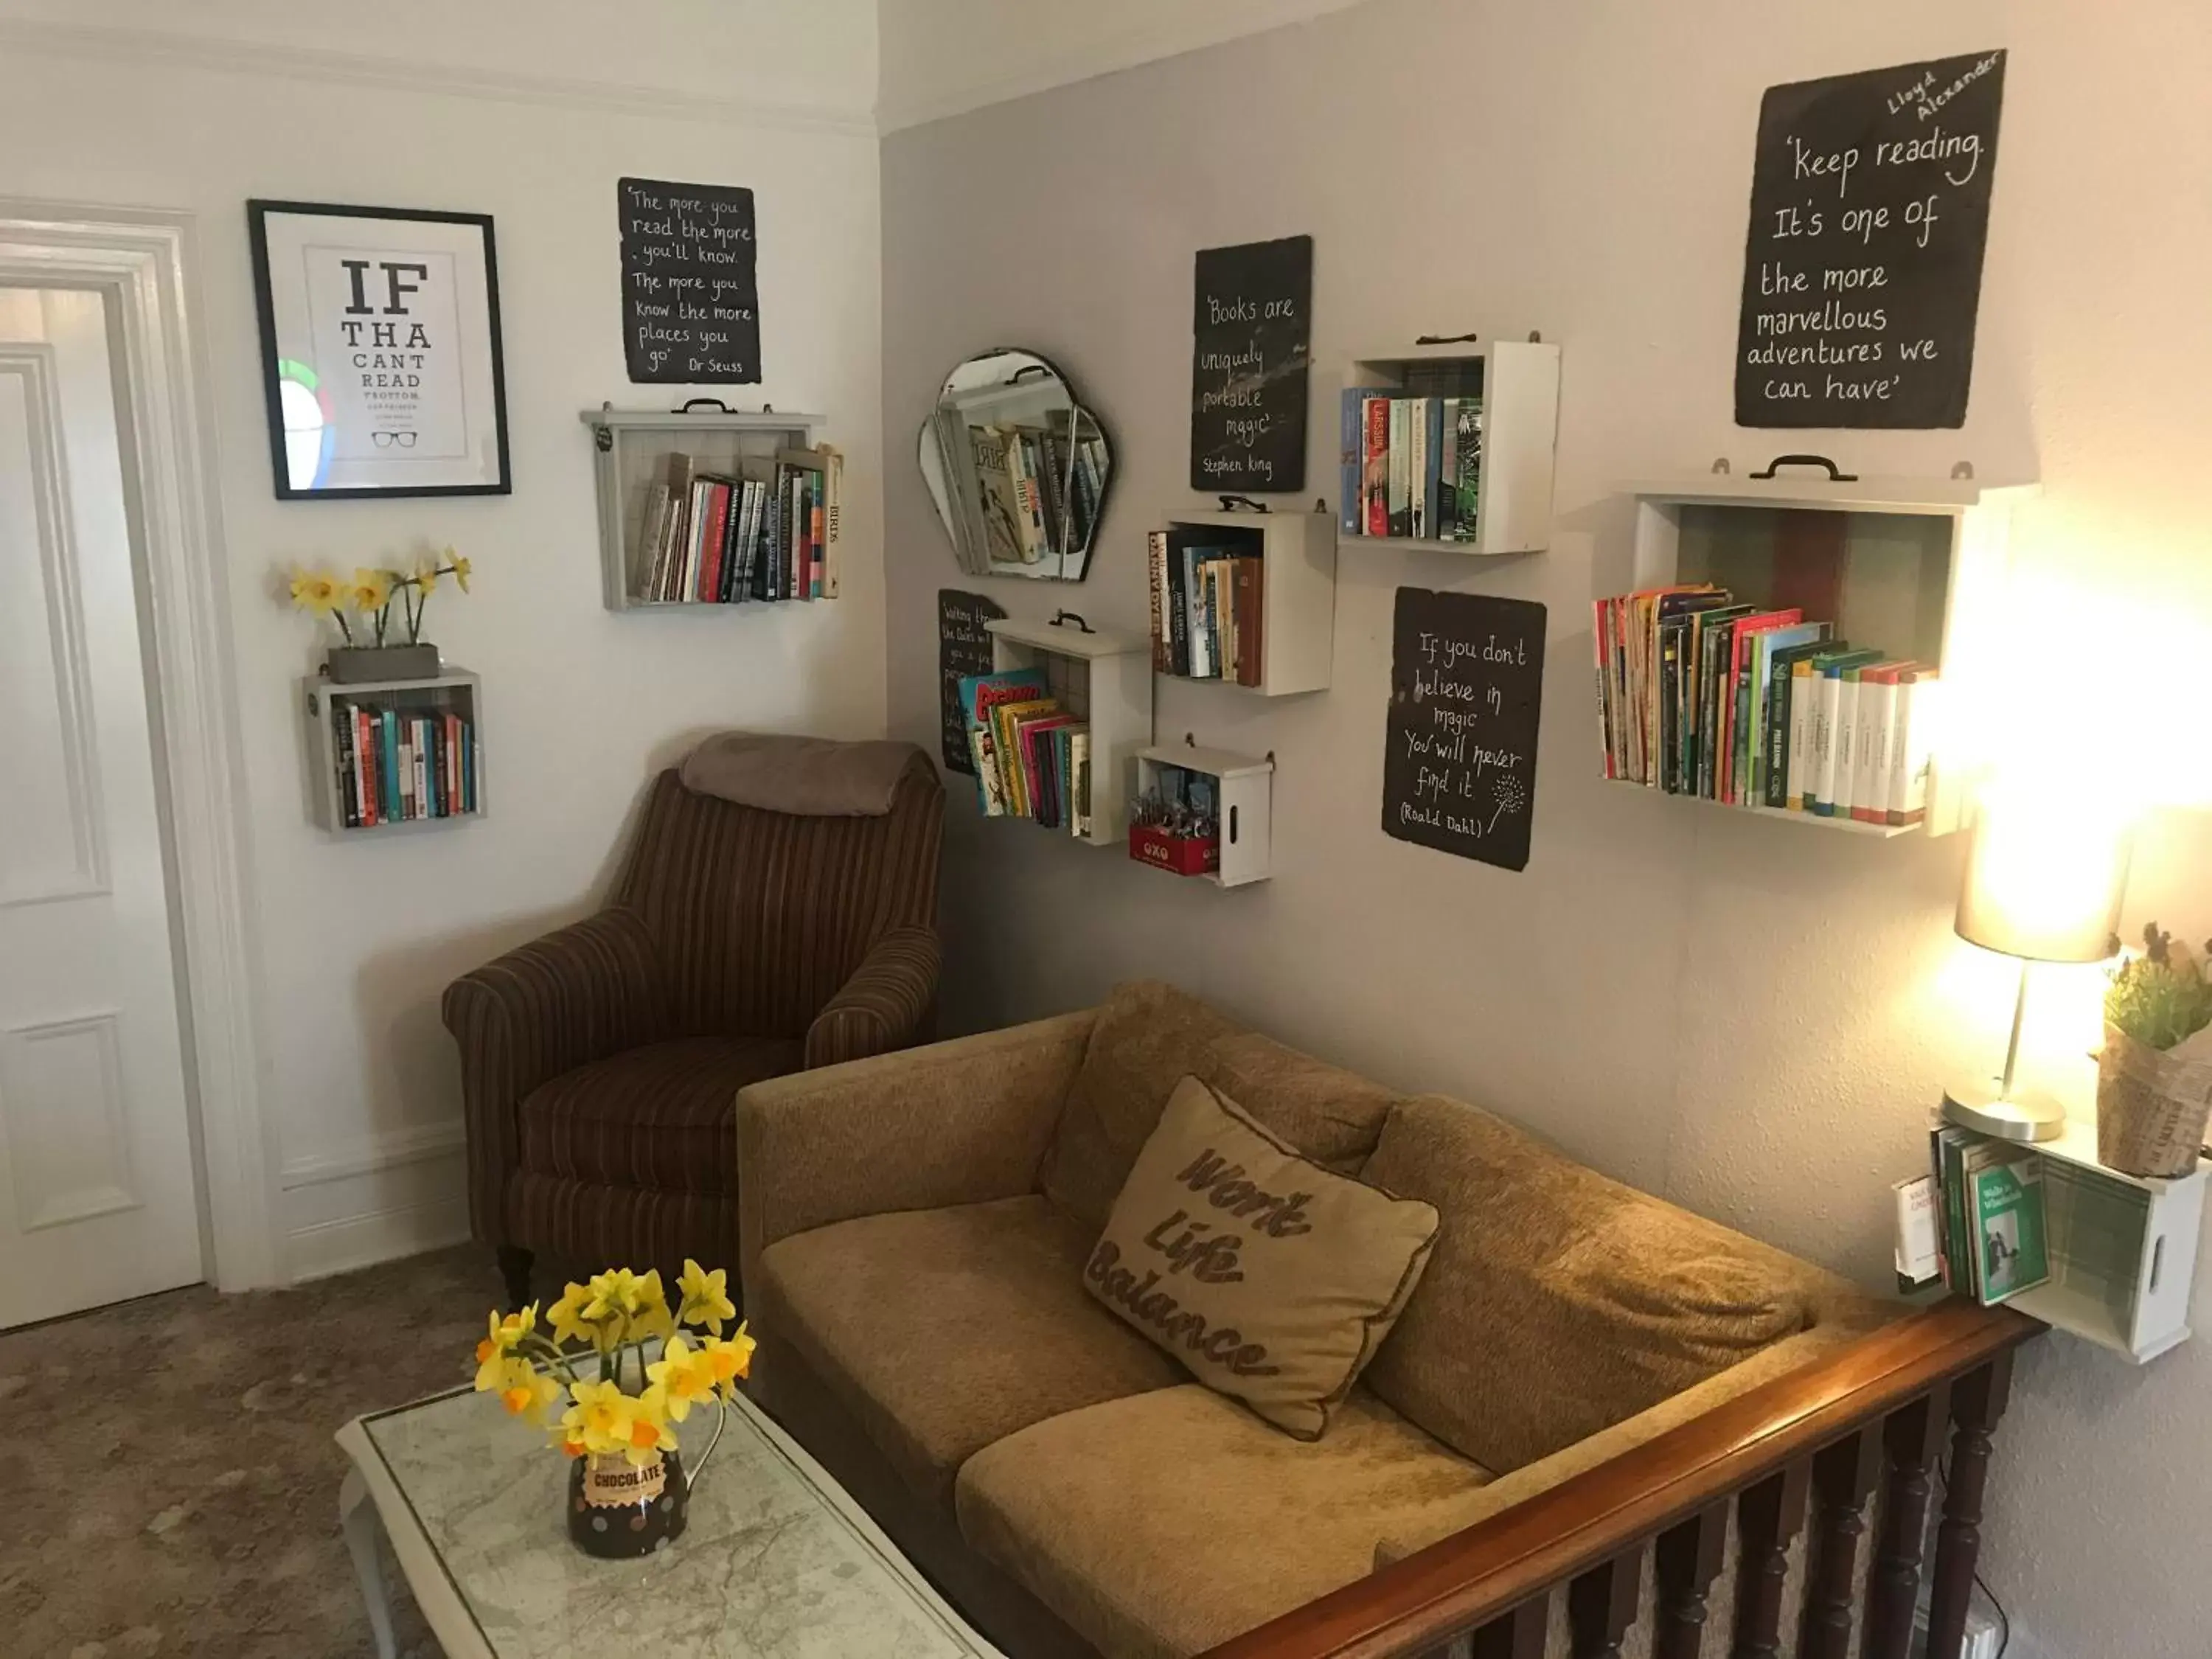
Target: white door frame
<point>148,261</point>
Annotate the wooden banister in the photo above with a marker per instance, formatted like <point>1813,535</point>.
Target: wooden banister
<point>1587,1526</point>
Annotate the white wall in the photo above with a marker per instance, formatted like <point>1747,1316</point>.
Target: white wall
<point>1750,1018</point>
<point>355,941</point>
<point>942,57</point>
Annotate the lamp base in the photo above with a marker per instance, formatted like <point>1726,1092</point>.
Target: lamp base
<point>1983,1107</point>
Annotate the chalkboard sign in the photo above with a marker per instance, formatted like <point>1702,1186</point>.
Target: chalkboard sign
<point>964,648</point>
<point>1466,693</point>
<point>1251,348</point>
<point>690,282</point>
<point>1863,275</point>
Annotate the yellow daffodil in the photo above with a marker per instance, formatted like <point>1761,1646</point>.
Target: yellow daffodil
<point>649,1433</point>
<point>684,1376</point>
<point>600,1421</point>
<point>317,591</point>
<point>614,1295</point>
<point>730,1360</point>
<point>459,566</point>
<point>506,1335</point>
<point>706,1297</point>
<point>370,592</point>
<point>528,1393</point>
<point>649,1314</point>
<point>425,577</point>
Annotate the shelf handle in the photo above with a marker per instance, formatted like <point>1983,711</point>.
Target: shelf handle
<point>714,404</point>
<point>1061,618</point>
<point>1233,503</point>
<point>1836,475</point>
<point>1446,339</point>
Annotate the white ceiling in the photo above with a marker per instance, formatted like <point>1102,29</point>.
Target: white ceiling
<point>942,57</point>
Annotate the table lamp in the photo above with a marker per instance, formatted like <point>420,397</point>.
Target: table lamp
<point>2043,885</point>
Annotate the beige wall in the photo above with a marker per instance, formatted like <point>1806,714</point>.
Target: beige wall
<point>1752,1018</point>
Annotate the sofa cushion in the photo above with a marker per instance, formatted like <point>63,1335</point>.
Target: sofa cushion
<point>1147,1038</point>
<point>1269,1277</point>
<point>943,1330</point>
<point>661,1117</point>
<point>1559,1302</point>
<point>1161,1525</point>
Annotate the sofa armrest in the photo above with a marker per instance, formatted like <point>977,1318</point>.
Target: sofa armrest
<point>956,1122</point>
<point>883,1006</point>
<point>579,993</point>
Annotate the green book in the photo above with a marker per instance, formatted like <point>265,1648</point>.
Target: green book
<point>2004,1204</point>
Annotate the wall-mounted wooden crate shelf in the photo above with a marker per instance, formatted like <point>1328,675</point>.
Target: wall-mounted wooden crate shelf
<point>1903,566</point>
<point>415,763</point>
<point>1244,788</point>
<point>633,449</point>
<point>1518,382</point>
<point>1293,589</point>
<point>2122,1248</point>
<point>1105,679</point>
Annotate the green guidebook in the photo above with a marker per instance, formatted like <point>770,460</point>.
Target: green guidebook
<point>2004,1203</point>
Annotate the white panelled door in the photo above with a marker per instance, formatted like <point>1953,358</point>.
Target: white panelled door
<point>96,1180</point>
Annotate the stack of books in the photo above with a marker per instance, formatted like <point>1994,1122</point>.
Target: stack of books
<point>1751,707</point>
<point>1991,1209</point>
<point>1207,610</point>
<point>1037,487</point>
<point>399,764</point>
<point>769,531</point>
<point>1411,466</point>
<point>1032,756</point>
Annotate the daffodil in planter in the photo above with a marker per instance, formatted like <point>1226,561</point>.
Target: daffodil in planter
<point>368,647</point>
<point>616,1354</point>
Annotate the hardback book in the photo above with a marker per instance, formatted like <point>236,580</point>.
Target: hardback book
<point>1801,692</point>
<point>1250,579</point>
<point>1416,466</point>
<point>1028,507</point>
<point>1178,607</point>
<point>715,531</point>
<point>1752,695</point>
<point>1466,512</point>
<point>1776,730</point>
<point>645,555</point>
<point>1375,484</point>
<point>1156,569</point>
<point>1079,767</point>
<point>1352,460</point>
<point>1911,746</point>
<point>2005,1218</point>
<point>1877,715</point>
<point>1430,478</point>
<point>1830,768</point>
<point>995,497</point>
<point>823,472</point>
<point>1401,513</point>
<point>1737,718</point>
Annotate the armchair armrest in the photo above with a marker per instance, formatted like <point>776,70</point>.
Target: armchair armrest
<point>575,995</point>
<point>883,1006</point>
<point>954,1122</point>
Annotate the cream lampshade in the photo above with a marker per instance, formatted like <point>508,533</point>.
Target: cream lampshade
<point>2043,885</point>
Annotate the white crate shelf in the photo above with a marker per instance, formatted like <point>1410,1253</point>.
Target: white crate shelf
<point>1106,679</point>
<point>455,691</point>
<point>1297,593</point>
<point>1245,788</point>
<point>1518,381</point>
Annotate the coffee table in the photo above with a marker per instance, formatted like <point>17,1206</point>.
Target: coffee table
<point>777,1561</point>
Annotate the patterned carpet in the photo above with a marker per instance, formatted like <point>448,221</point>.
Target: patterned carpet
<point>167,1483</point>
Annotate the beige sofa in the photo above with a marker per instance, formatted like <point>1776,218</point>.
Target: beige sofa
<point>913,1234</point>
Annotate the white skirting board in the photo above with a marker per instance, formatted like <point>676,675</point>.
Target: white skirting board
<point>389,1199</point>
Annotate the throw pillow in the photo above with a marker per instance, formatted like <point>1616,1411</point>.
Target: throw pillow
<point>1273,1278</point>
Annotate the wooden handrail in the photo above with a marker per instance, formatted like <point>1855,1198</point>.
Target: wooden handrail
<point>1463,1582</point>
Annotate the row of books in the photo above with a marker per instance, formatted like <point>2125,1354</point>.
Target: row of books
<point>1032,755</point>
<point>395,765</point>
<point>769,532</point>
<point>1020,493</point>
<point>1698,695</point>
<point>1992,1227</point>
<point>1411,466</point>
<point>1206,610</point>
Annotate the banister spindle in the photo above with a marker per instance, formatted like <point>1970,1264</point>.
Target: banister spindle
<point>1914,1439</point>
<point>1521,1634</point>
<point>1688,1560</point>
<point>1769,1516</point>
<point>1977,1403</point>
<point>1602,1605</point>
<point>1843,1477</point>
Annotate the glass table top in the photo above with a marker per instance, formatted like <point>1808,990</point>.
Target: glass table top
<point>777,1562</point>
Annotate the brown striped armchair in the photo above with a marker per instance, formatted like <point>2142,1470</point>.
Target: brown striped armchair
<point>600,1064</point>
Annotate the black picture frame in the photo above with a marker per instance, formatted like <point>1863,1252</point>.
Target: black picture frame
<point>259,212</point>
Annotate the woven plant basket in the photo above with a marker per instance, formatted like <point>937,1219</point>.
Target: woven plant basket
<point>2151,1108</point>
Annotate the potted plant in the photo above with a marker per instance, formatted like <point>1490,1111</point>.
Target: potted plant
<point>372,651</point>
<point>617,1353</point>
<point>2154,1075</point>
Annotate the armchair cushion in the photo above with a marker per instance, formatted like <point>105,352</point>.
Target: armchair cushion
<point>659,1117</point>
<point>942,1331</point>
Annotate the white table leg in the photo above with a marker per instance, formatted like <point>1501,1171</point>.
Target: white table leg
<point>357,1516</point>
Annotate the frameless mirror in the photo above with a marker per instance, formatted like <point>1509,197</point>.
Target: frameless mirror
<point>1018,468</point>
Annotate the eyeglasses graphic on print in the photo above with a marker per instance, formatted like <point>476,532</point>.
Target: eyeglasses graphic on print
<point>389,440</point>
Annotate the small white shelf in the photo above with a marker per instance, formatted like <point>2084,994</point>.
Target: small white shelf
<point>1846,826</point>
<point>1908,566</point>
<point>1518,381</point>
<point>453,691</point>
<point>631,449</point>
<point>1245,786</point>
<point>1297,593</point>
<point>2122,1248</point>
<point>1105,678</point>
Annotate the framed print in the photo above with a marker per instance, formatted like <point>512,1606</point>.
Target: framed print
<point>380,350</point>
